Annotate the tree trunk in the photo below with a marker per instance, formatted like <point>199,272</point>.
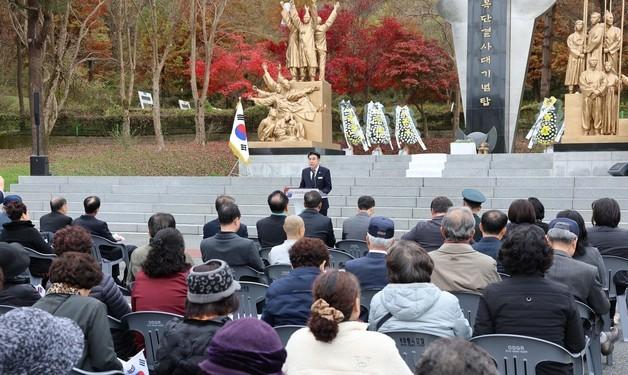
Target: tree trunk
<point>456,112</point>
<point>426,130</point>
<point>156,110</point>
<point>19,79</point>
<point>546,71</point>
<point>199,118</point>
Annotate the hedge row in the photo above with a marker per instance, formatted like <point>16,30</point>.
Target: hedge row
<point>173,121</point>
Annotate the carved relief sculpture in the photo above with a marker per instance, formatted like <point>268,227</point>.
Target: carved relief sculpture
<point>293,55</point>
<point>595,41</point>
<point>612,42</point>
<point>592,86</point>
<point>611,103</point>
<point>575,63</point>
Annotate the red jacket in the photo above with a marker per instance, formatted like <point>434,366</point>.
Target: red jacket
<point>160,294</point>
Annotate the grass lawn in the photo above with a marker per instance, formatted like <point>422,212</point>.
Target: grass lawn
<point>98,158</point>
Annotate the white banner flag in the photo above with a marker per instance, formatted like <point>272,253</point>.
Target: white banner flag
<point>238,142</point>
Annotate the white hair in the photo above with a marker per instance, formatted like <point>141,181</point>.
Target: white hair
<point>378,242</point>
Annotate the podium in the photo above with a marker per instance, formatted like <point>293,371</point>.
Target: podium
<point>296,195</point>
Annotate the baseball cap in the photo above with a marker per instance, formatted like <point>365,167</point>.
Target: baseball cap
<point>381,227</point>
<point>565,224</point>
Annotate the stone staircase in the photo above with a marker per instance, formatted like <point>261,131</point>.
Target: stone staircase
<point>128,202</point>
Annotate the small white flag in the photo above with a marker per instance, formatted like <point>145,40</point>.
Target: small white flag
<point>136,365</point>
<point>238,142</point>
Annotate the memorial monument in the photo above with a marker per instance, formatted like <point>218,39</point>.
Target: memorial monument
<point>299,117</point>
<point>592,117</point>
<point>492,40</point>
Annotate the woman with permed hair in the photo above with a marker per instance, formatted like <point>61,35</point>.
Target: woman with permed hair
<point>161,284</point>
<point>527,303</point>
<point>335,341</point>
<point>72,276</point>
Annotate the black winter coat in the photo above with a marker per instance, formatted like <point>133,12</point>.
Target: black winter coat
<point>18,292</point>
<point>24,233</point>
<point>532,306</point>
<point>184,345</point>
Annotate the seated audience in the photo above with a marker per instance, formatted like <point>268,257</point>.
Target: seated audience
<point>72,276</point>
<point>584,251</point>
<point>22,231</point>
<point>77,239</point>
<point>473,199</point>
<point>316,224</point>
<point>582,279</point>
<point>57,218</point>
<point>156,223</point>
<point>288,300</point>
<point>211,228</point>
<point>493,227</point>
<point>457,267</point>
<point>35,342</point>
<point>427,233</point>
<point>371,268</point>
<point>605,233</point>
<point>100,228</point>
<point>245,346</point>
<point>521,212</point>
<point>227,245</point>
<point>410,302</point>
<point>355,228</point>
<point>17,289</point>
<point>334,341</point>
<point>270,229</point>
<point>295,230</point>
<point>539,213</point>
<point>211,297</point>
<point>536,306</point>
<point>161,284</point>
<point>454,356</point>
<point>4,218</point>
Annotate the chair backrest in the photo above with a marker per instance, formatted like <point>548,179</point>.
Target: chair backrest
<point>613,265</point>
<point>277,271</point>
<point>356,248</point>
<point>83,372</point>
<point>151,325</point>
<point>250,295</point>
<point>337,258</point>
<point>469,304</point>
<point>515,354</point>
<point>99,244</point>
<point>285,332</point>
<point>249,273</point>
<point>33,254</point>
<point>47,237</point>
<point>263,253</point>
<point>411,344</point>
<point>366,295</point>
<point>5,309</point>
<point>115,323</point>
<point>503,275</point>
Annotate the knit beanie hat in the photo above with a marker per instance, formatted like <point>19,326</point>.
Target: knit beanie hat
<point>33,341</point>
<point>245,346</point>
<point>210,282</point>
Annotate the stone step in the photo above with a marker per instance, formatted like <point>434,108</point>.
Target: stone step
<point>465,172</point>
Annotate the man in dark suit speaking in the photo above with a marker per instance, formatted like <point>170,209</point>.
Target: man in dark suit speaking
<point>316,177</point>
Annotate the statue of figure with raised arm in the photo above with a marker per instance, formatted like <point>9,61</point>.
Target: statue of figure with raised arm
<point>593,87</point>
<point>293,54</point>
<point>595,41</point>
<point>307,44</point>
<point>575,62</point>
<point>321,39</point>
<point>612,42</point>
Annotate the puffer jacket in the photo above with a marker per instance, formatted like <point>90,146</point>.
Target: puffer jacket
<point>418,307</point>
<point>108,293</point>
<point>184,345</point>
